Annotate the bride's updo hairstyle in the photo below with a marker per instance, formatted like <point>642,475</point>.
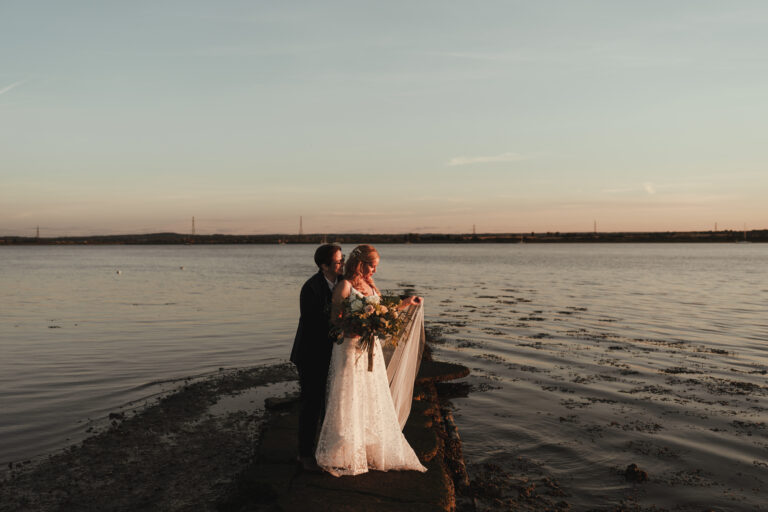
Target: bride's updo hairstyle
<point>353,269</point>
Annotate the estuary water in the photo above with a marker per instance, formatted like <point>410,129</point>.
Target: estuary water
<point>584,358</point>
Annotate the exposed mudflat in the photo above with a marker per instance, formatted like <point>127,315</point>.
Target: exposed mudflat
<point>180,453</point>
<point>229,443</point>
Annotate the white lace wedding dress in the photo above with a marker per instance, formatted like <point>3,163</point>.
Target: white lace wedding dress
<point>361,430</point>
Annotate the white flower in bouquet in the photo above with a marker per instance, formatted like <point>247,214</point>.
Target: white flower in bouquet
<point>369,318</point>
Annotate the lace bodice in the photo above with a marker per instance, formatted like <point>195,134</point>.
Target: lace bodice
<point>360,295</point>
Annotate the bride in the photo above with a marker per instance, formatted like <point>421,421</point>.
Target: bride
<point>361,429</point>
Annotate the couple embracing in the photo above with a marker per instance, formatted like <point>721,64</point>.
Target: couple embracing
<point>359,428</point>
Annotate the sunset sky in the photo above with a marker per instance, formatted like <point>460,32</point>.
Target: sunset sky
<point>417,116</point>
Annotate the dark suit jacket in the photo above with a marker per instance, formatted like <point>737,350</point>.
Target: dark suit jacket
<point>312,345</point>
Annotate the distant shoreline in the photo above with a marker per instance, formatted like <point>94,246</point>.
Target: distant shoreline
<point>726,236</point>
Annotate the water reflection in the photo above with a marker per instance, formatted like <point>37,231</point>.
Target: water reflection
<point>585,357</point>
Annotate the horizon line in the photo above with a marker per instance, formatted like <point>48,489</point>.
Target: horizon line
<point>403,233</point>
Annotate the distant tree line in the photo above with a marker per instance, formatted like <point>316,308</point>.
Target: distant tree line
<point>429,238</point>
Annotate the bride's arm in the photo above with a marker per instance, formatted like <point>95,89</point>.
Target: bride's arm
<point>340,292</point>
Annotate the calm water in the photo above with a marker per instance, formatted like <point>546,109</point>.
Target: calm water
<point>585,357</point>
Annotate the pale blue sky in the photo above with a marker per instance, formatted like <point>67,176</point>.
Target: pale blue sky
<point>392,116</point>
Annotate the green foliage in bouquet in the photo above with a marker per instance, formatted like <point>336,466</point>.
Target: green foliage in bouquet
<point>370,317</point>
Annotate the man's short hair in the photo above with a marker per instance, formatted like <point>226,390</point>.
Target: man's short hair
<point>324,254</point>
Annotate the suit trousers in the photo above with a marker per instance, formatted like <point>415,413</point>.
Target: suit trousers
<point>312,381</point>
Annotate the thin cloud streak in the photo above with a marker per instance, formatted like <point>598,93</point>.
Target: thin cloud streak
<point>504,157</point>
<point>618,190</point>
<point>8,88</point>
<point>483,56</point>
<point>654,188</point>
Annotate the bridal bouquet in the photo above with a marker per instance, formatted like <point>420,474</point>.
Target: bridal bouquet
<point>370,317</point>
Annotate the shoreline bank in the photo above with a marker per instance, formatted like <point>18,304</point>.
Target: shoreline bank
<point>723,236</point>
<point>197,449</point>
<point>171,455</point>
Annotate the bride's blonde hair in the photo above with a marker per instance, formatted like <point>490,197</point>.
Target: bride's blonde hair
<point>353,268</point>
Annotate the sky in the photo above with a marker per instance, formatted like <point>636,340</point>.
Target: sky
<point>382,117</point>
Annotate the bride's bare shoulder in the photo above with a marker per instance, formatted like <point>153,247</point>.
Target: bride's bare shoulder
<point>343,288</point>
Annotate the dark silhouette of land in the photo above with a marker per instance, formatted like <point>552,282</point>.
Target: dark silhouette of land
<point>725,236</point>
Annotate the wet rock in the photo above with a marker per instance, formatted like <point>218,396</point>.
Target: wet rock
<point>437,371</point>
<point>453,389</point>
<point>280,402</point>
<point>635,474</point>
<point>528,491</point>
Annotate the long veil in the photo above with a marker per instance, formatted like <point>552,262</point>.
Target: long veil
<point>403,361</point>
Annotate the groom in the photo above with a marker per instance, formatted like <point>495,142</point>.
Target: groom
<point>312,346</point>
